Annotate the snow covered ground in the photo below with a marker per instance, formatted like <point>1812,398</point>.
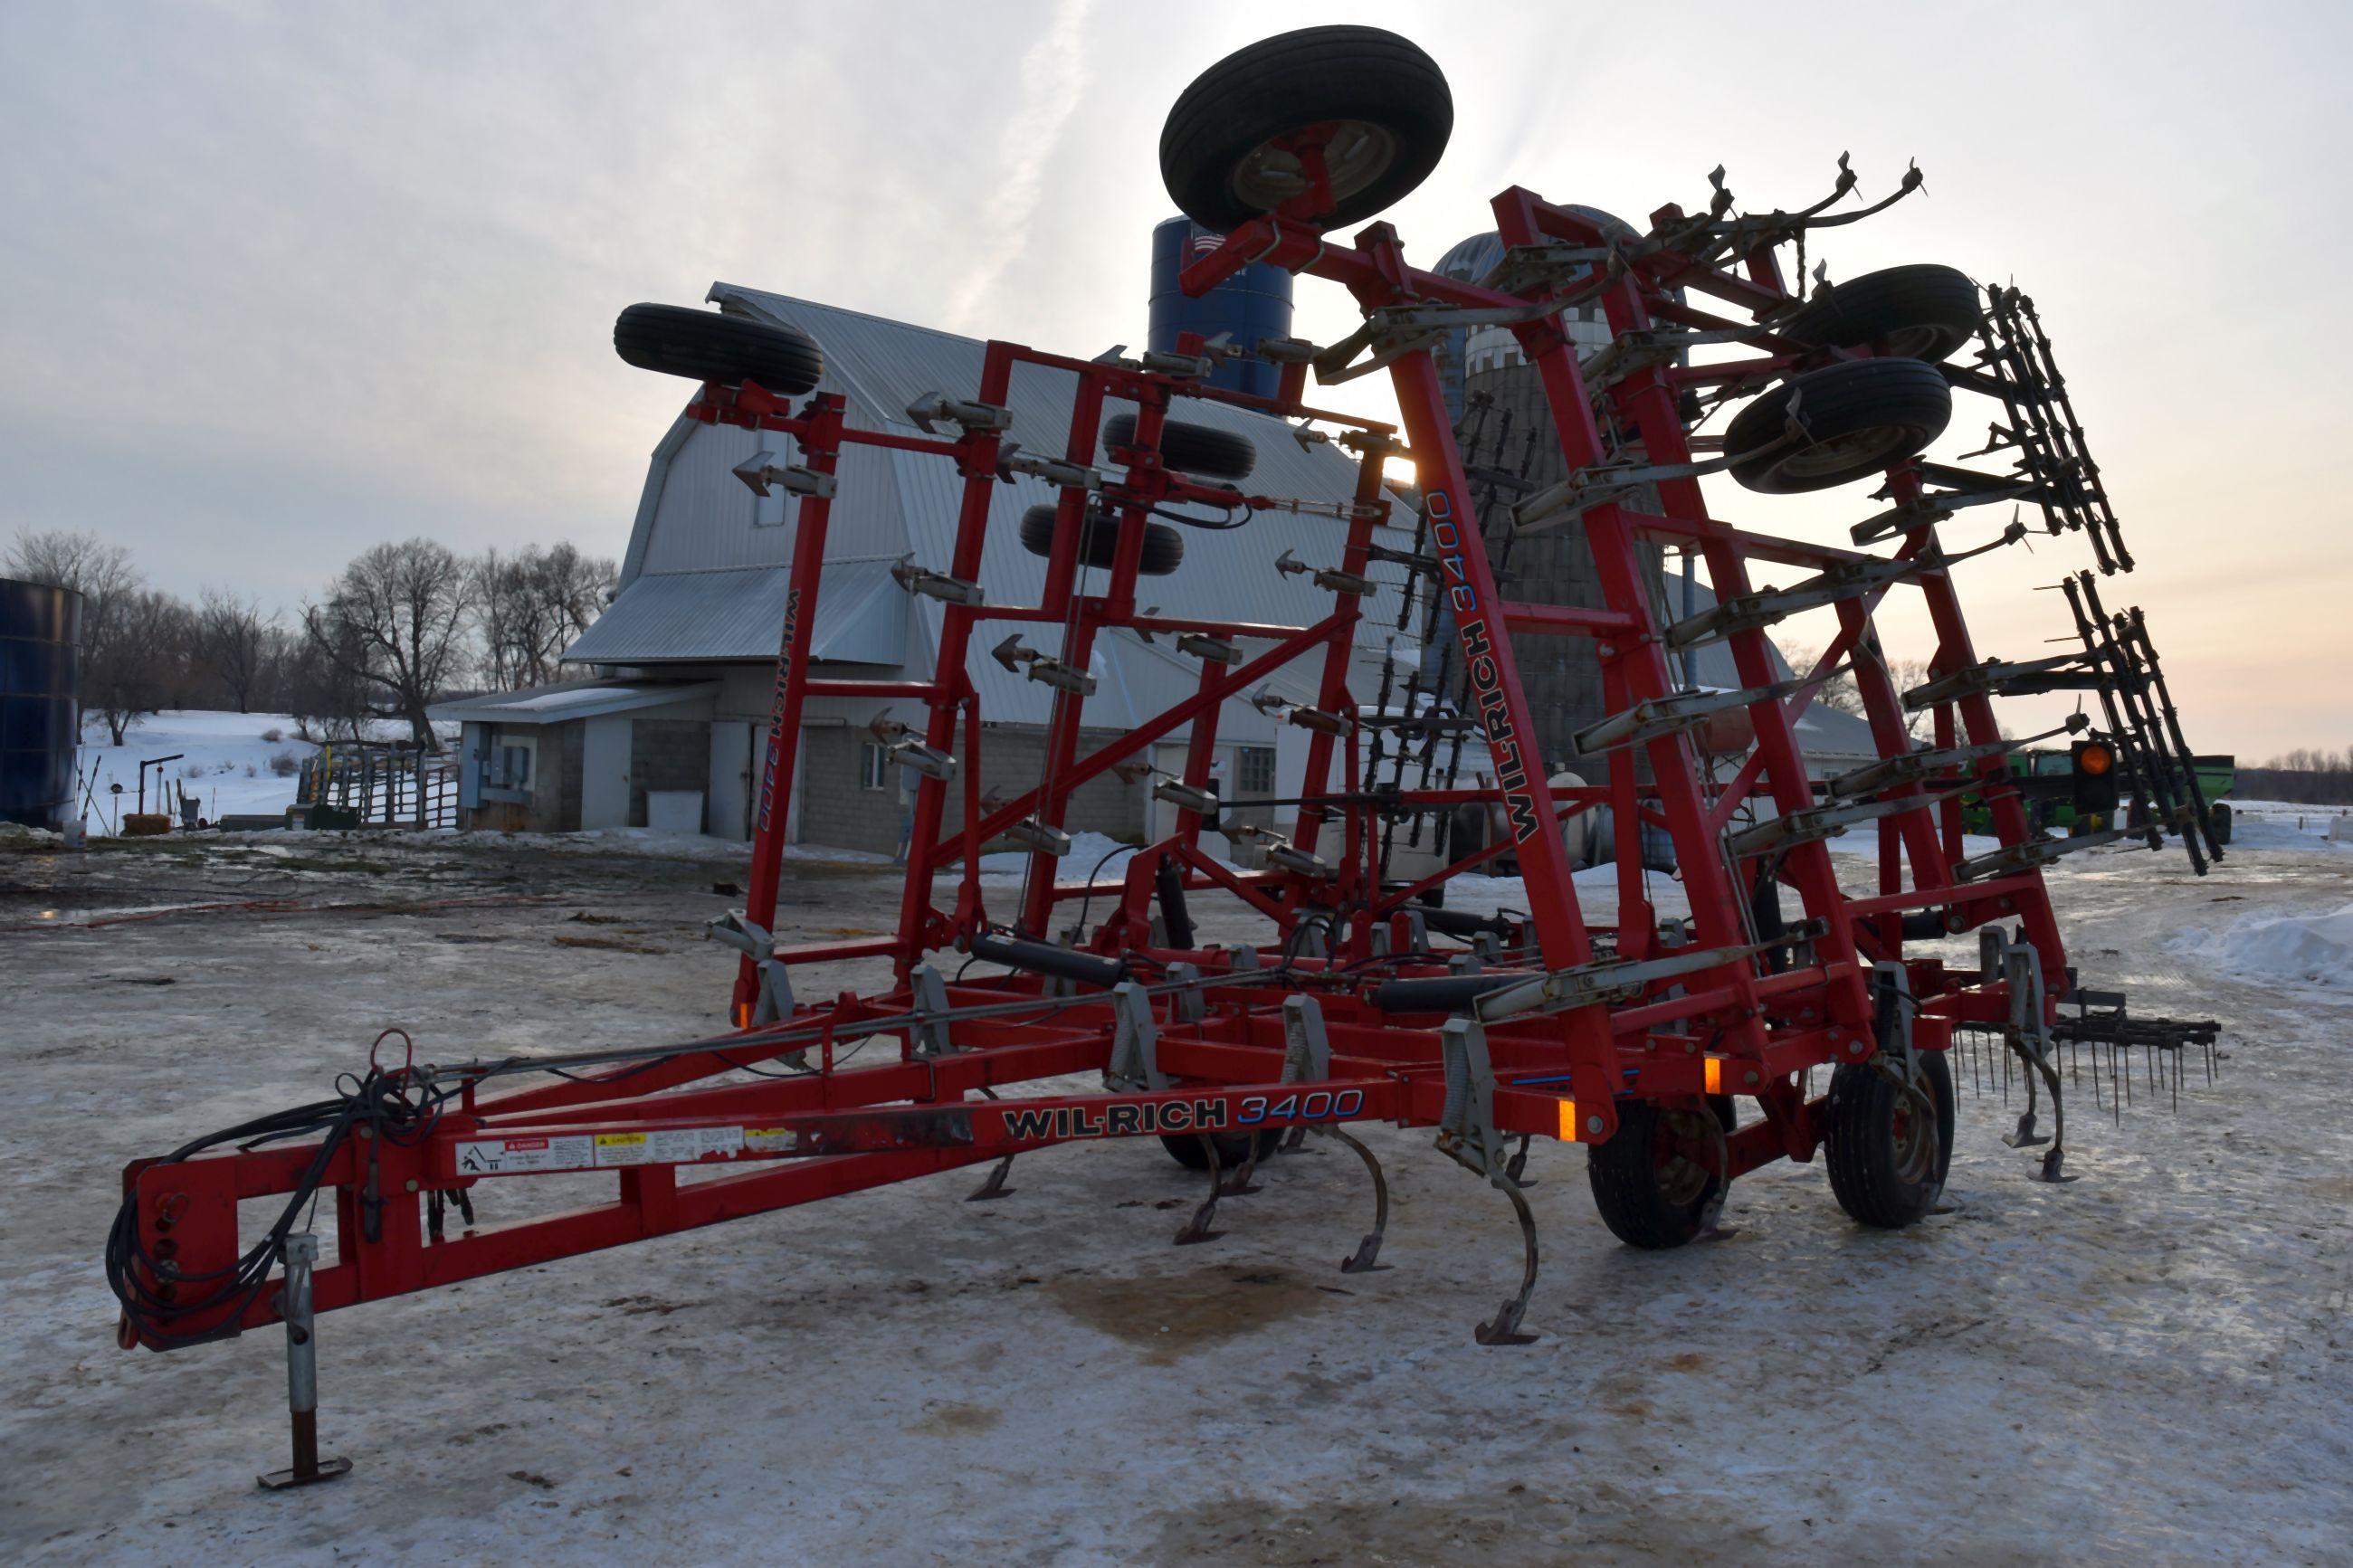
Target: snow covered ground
<point>2284,825</point>
<point>227,762</point>
<point>2150,1365</point>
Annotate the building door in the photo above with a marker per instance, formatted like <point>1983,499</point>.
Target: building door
<point>735,763</point>
<point>605,773</point>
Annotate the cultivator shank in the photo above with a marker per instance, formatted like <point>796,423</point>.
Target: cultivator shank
<point>1632,1030</point>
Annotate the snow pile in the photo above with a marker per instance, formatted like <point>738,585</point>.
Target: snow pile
<point>1086,848</point>
<point>1864,840</point>
<point>2312,950</point>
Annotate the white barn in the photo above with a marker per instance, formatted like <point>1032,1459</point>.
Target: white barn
<point>675,679</point>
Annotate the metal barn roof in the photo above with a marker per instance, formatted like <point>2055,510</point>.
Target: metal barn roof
<point>572,699</point>
<point>673,617</point>
<point>704,575</point>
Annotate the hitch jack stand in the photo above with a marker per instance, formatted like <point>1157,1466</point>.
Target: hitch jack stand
<point>302,1372</point>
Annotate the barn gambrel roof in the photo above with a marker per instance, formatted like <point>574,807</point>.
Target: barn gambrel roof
<point>704,577</point>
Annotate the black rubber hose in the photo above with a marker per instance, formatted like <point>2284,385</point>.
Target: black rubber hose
<point>1440,993</point>
<point>1462,922</point>
<point>1169,880</point>
<point>1924,925</point>
<point>1765,909</point>
<point>1045,958</point>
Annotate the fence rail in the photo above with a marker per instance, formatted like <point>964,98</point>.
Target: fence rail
<point>389,786</point>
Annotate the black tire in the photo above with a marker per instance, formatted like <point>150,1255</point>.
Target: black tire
<point>1885,1173</point>
<point>704,345</point>
<point>1470,831</point>
<point>1649,1194</point>
<point>2218,821</point>
<point>1163,547</point>
<point>1860,418</point>
<point>1233,1148</point>
<point>1214,155</point>
<point>1923,312</point>
<point>1200,449</point>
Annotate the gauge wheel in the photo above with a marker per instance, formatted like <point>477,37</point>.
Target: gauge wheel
<point>1923,312</point>
<point>1656,1180</point>
<point>1887,1155</point>
<point>1233,1148</point>
<point>704,345</point>
<point>1379,104</point>
<point>1163,547</point>
<point>1839,424</point>
<point>1189,449</point>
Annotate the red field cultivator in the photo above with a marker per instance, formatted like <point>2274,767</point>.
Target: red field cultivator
<point>1679,1050</point>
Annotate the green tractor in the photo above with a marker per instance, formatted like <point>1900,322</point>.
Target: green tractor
<point>2082,790</point>
<point>2217,776</point>
<point>2070,792</point>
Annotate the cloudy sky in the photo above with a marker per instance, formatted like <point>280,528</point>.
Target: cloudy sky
<point>282,281</point>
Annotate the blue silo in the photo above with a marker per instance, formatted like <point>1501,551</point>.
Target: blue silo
<point>1251,305</point>
<point>41,686</point>
<point>1468,262</point>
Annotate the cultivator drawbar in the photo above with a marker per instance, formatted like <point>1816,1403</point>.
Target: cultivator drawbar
<point>1679,1046</point>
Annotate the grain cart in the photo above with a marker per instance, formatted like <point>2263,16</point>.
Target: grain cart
<point>1788,1014</point>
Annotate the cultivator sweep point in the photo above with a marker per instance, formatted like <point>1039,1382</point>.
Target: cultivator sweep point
<point>1633,1032</point>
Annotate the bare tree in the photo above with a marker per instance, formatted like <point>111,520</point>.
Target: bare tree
<point>1908,673</point>
<point>394,623</point>
<point>143,666</point>
<point>2307,775</point>
<point>100,573</point>
<point>328,701</point>
<point>1839,692</point>
<point>532,604</point>
<point>282,647</point>
<point>235,646</point>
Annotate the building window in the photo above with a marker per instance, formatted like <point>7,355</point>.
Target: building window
<point>1255,771</point>
<point>874,766</point>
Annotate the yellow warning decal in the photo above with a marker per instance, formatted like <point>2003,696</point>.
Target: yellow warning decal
<point>622,1149</point>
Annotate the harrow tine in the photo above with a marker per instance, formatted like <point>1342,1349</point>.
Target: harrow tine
<point>1239,1186</point>
<point>1364,1259</point>
<point>1503,1329</point>
<point>2054,1158</point>
<point>1198,1228</point>
<point>1519,1162</point>
<point>993,1188</point>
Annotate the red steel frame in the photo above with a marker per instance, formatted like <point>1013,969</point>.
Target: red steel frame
<point>1735,1028</point>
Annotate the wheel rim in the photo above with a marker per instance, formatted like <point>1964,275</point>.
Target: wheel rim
<point>1912,1138</point>
<point>1356,153</point>
<point>1914,343</point>
<point>1861,452</point>
<point>1683,1180</point>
